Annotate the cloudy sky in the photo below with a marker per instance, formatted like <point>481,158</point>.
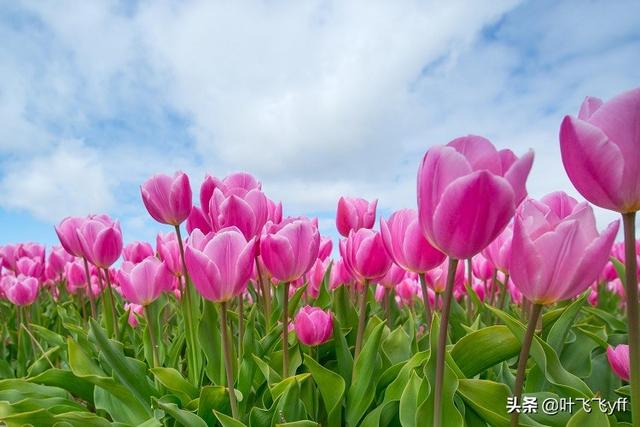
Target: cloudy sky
<point>316,98</point>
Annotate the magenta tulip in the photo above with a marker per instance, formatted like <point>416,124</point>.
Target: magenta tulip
<point>313,326</point>
<point>326,246</point>
<point>339,275</point>
<point>168,199</point>
<point>56,261</point>
<point>618,357</point>
<point>498,252</point>
<point>601,151</point>
<point>33,267</point>
<point>557,253</point>
<point>144,282</point>
<point>482,268</point>
<point>168,249</point>
<point>290,248</point>
<point>101,240</point>
<point>22,290</point>
<point>365,256</point>
<point>392,277</point>
<point>468,192</point>
<point>406,244</point>
<point>221,269</point>
<point>67,232</point>
<point>75,274</point>
<point>135,252</point>
<point>354,214</point>
<point>247,211</point>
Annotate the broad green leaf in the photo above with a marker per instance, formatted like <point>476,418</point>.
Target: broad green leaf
<point>332,388</point>
<point>227,421</point>
<point>186,418</point>
<point>409,402</point>
<point>62,378</point>
<point>560,328</point>
<point>174,381</point>
<point>484,348</point>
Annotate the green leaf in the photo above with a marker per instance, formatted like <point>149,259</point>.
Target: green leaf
<point>397,346</point>
<point>62,378</point>
<point>560,328</point>
<point>227,421</point>
<point>174,381</point>
<point>302,423</point>
<point>332,387</point>
<point>343,355</point>
<point>409,401</point>
<point>362,390</point>
<point>595,418</point>
<point>484,348</point>
<point>185,418</point>
<point>209,337</point>
<point>213,398</point>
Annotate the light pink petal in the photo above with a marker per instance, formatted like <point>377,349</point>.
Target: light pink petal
<point>479,152</point>
<point>517,176</point>
<point>589,106</point>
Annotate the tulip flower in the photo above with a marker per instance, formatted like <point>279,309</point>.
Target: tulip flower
<point>248,211</point>
<point>467,194</point>
<point>313,326</point>
<point>354,214</point>
<point>56,261</point>
<point>133,309</point>
<point>339,275</point>
<point>167,199</point>
<point>556,254</point>
<point>600,152</point>
<point>618,357</point>
<point>101,241</point>
<point>22,291</point>
<point>135,252</point>
<point>367,260</point>
<point>326,246</point>
<point>220,271</point>
<point>75,275</point>
<point>67,232</point>
<point>143,283</point>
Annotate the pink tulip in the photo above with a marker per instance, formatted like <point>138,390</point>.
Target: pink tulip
<point>437,278</point>
<point>143,283</point>
<point>479,289</point>
<point>313,326</point>
<point>8,257</point>
<point>498,252</point>
<point>135,252</point>
<point>315,276</point>
<point>601,151</point>
<point>239,183</point>
<point>405,243</point>
<point>23,291</point>
<point>221,270</point>
<point>75,275</point>
<point>354,214</point>
<point>482,268</point>
<point>133,309</point>
<point>167,199</point>
<point>101,240</point>
<point>290,248</point>
<point>326,246</point>
<point>618,357</point>
<point>380,293</point>
<point>33,267</point>
<point>557,253</point>
<point>407,290</point>
<point>247,211</point>
<point>56,262</point>
<point>197,220</point>
<point>393,276</point>
<point>364,255</point>
<point>468,192</point>
<point>168,248</point>
<point>67,232</point>
<point>339,275</point>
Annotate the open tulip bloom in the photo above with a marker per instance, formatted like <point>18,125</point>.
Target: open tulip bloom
<point>463,310</point>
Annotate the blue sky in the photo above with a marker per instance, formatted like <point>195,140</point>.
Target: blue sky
<point>317,99</point>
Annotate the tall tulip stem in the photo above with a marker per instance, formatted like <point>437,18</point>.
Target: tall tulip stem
<point>228,366</point>
<point>152,337</point>
<point>425,299</point>
<point>266,296</point>
<point>285,330</point>
<point>631,291</point>
<point>442,343</point>
<point>240,325</point>
<point>362,317</point>
<point>189,323</point>
<point>112,302</point>
<point>536,309</point>
<point>87,274</point>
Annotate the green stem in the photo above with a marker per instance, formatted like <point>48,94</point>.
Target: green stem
<point>536,309</point>
<point>362,317</point>
<point>152,337</point>
<point>266,296</point>
<point>442,343</point>
<point>87,274</point>
<point>188,309</point>
<point>425,299</point>
<point>228,366</point>
<point>114,315</point>
<point>633,319</point>
<point>240,325</point>
<point>285,330</point>
<point>106,306</point>
<point>503,295</point>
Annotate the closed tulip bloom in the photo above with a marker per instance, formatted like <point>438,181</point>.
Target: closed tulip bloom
<point>67,232</point>
<point>315,276</point>
<point>238,183</point>
<point>143,283</point>
<point>326,246</point>
<point>393,276</point>
<point>133,309</point>
<point>557,253</point>
<point>482,268</point>
<point>168,249</point>
<point>354,214</point>
<point>498,252</point>
<point>437,278</point>
<point>135,252</point>
<point>601,151</point>
<point>75,275</point>
<point>290,248</point>
<point>407,290</point>
<point>221,269</point>
<point>406,244</point>
<point>339,274</point>
<point>365,256</point>
<point>468,192</point>
<point>33,267</point>
<point>101,240</point>
<point>8,257</point>
<point>248,211</point>
<point>618,357</point>
<point>56,261</point>
<point>23,291</point>
<point>313,326</point>
<point>168,199</point>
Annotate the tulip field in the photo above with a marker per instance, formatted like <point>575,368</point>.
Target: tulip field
<point>477,306</point>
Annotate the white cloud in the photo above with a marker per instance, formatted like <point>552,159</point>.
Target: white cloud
<point>68,179</point>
